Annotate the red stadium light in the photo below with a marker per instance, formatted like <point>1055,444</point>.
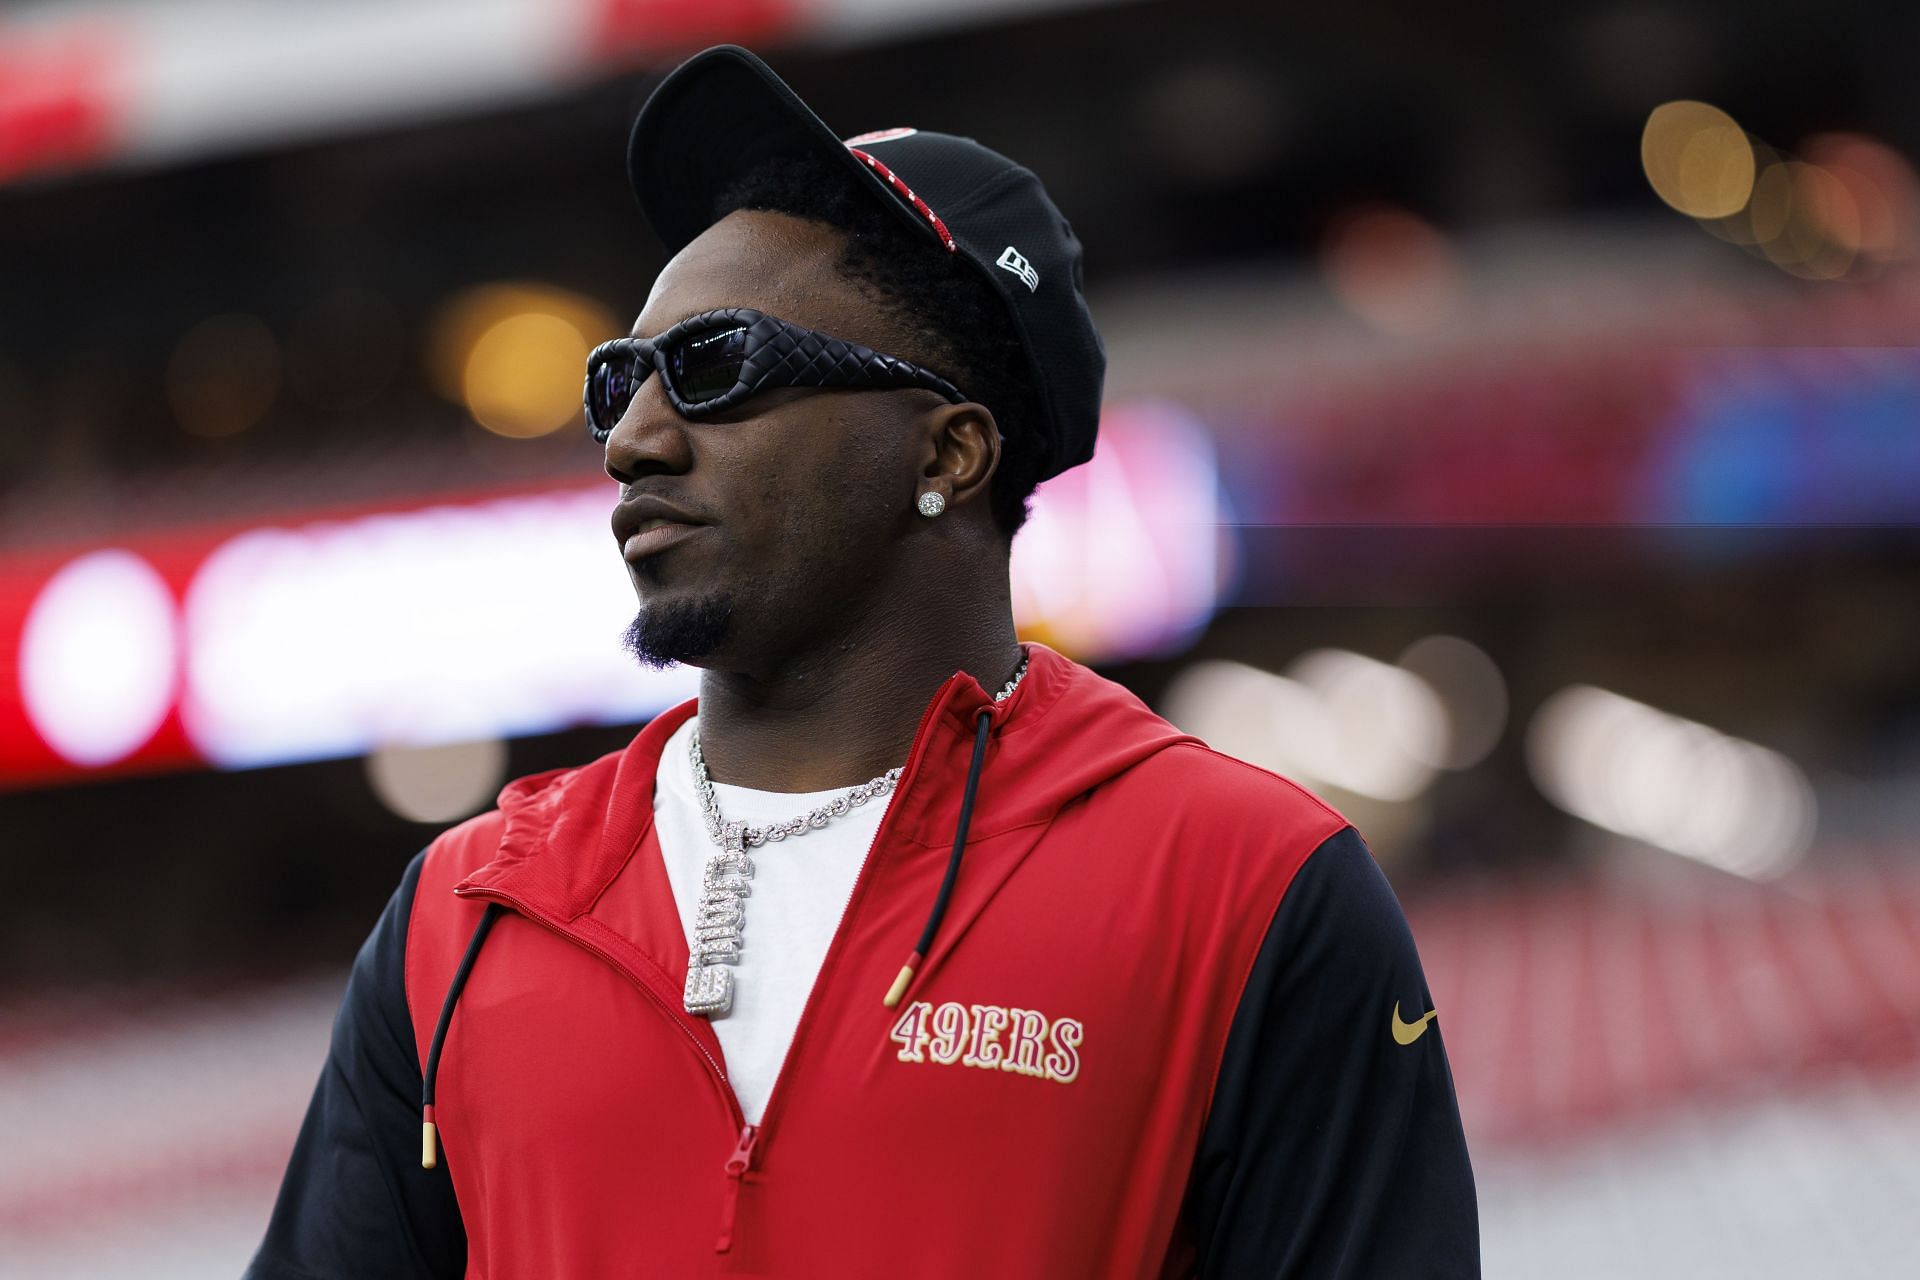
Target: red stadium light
<point>334,635</point>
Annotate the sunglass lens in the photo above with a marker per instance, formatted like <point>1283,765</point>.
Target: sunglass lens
<point>612,391</point>
<point>707,365</point>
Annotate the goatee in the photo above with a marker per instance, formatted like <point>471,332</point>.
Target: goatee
<point>681,631</point>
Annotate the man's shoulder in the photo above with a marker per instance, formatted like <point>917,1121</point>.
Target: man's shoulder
<point>1199,784</point>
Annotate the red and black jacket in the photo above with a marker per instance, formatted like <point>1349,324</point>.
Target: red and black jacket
<point>1170,1023</point>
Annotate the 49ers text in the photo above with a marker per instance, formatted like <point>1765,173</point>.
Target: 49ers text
<point>991,1037</point>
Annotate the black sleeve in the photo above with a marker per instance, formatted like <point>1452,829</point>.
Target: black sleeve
<point>1332,1150</point>
<point>355,1203</point>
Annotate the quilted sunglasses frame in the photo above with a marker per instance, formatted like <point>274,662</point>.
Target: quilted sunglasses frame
<point>779,354</point>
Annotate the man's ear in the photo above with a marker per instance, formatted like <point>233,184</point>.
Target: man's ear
<point>963,451</point>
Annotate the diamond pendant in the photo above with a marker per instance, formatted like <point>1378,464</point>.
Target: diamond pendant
<point>717,926</point>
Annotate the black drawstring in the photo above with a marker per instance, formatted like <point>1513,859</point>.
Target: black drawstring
<point>428,1156</point>
<point>925,945</point>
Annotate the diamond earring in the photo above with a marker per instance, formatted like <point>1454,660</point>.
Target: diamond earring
<point>931,504</point>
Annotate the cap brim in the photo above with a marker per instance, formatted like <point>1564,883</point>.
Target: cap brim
<point>715,118</point>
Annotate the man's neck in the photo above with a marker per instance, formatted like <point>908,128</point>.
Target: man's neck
<point>841,714</point>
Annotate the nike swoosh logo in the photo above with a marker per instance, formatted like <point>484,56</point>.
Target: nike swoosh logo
<point>1408,1032</point>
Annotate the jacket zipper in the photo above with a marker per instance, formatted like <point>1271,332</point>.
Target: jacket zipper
<point>907,778</point>
<point>736,1170</point>
<point>741,1161</point>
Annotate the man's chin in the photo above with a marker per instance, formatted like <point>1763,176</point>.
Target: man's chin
<point>684,631</point>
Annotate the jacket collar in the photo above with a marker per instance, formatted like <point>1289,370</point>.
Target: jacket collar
<point>568,833</point>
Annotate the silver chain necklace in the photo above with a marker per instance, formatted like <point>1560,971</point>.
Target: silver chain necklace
<point>724,888</point>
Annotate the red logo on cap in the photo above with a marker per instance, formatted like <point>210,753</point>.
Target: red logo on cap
<point>893,180</point>
<point>881,135</point>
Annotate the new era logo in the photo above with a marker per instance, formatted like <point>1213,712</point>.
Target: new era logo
<point>879,135</point>
<point>1011,259</point>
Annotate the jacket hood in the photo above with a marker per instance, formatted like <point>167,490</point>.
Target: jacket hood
<point>567,832</point>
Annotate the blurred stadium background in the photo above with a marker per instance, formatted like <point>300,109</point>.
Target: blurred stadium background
<point>1513,432</point>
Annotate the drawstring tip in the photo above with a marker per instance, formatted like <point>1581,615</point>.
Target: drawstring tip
<point>429,1156</point>
<point>899,987</point>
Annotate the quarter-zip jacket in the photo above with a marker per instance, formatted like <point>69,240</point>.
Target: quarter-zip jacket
<point>1163,1029</point>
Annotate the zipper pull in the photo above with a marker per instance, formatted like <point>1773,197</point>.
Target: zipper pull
<point>737,1165</point>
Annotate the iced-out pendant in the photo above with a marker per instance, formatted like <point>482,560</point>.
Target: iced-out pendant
<point>716,933</point>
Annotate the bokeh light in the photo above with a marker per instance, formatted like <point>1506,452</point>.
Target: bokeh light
<point>1233,707</point>
<point>514,355</point>
<point>1391,268</point>
<point>1472,691</point>
<point>1130,553</point>
<point>1820,232</point>
<point>519,374</point>
<point>1883,185</point>
<point>1845,212</point>
<point>1772,205</point>
<point>397,639</point>
<point>223,375</point>
<point>1387,724</point>
<point>99,657</point>
<point>1335,717</point>
<point>1673,783</point>
<point>1697,159</point>
<point>438,783</point>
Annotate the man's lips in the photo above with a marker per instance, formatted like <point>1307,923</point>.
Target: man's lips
<point>646,524</point>
<point>656,536</point>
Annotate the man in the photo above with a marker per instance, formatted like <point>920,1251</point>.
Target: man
<point>905,950</point>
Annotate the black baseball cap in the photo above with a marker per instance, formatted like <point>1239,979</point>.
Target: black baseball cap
<point>723,112</point>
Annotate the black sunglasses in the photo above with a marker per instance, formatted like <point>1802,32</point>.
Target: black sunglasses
<point>717,359</point>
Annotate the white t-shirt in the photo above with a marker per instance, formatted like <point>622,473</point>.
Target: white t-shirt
<point>800,890</point>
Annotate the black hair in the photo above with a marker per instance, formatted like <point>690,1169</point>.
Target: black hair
<point>960,325</point>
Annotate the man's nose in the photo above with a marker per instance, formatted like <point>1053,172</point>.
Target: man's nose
<point>650,437</point>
